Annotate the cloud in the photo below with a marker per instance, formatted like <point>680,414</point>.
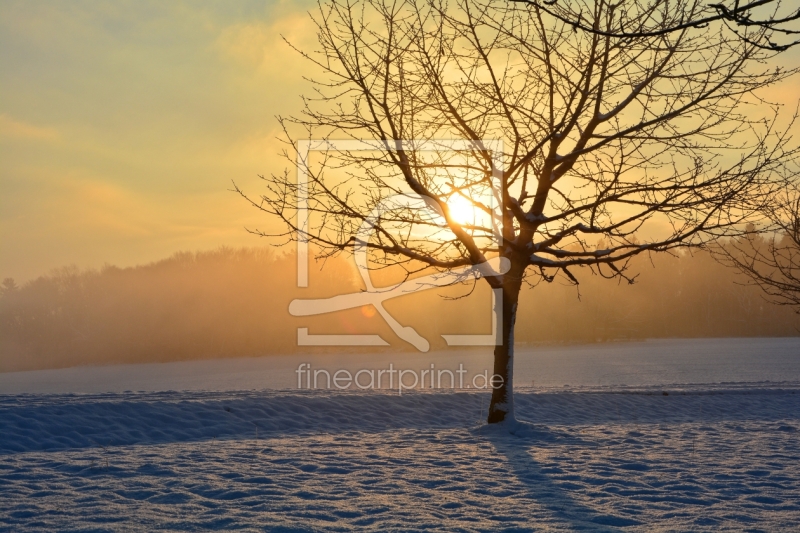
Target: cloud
<point>16,129</point>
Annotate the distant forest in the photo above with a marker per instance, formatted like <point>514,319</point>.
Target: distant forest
<point>233,302</point>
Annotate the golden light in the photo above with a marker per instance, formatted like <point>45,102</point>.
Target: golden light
<point>461,210</point>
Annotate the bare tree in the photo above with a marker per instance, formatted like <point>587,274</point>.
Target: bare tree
<point>771,20</point>
<point>770,255</point>
<point>610,148</point>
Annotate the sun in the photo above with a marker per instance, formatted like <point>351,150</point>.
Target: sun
<point>461,210</point>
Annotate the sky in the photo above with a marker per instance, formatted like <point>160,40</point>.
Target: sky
<point>122,125</point>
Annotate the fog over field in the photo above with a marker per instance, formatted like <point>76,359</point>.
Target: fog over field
<point>234,302</point>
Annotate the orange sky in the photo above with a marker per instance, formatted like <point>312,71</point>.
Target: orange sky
<point>122,125</point>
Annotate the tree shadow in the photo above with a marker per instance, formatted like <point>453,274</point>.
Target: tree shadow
<point>514,443</point>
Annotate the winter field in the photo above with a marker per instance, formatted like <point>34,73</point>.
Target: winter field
<point>684,435</point>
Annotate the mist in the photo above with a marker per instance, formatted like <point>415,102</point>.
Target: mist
<point>234,302</point>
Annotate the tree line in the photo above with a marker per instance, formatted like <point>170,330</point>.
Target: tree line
<point>233,302</point>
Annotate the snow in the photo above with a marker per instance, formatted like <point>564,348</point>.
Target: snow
<point>651,362</point>
<point>717,453</point>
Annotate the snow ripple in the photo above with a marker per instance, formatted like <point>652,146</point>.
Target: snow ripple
<point>281,461</point>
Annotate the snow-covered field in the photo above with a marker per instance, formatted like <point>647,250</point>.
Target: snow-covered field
<point>648,456</point>
<point>651,362</point>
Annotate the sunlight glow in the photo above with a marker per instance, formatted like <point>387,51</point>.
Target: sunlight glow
<point>462,210</point>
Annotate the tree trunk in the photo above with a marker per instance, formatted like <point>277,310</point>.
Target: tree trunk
<point>502,405</point>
